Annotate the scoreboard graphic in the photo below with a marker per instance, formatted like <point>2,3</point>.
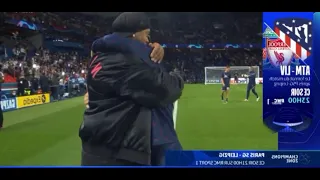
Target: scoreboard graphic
<point>245,159</point>
<point>290,78</point>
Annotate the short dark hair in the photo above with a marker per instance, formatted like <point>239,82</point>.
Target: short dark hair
<point>227,66</point>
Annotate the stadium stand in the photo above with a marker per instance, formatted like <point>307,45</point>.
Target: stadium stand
<point>57,45</point>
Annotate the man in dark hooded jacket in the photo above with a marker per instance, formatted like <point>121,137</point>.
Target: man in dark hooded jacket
<point>129,118</point>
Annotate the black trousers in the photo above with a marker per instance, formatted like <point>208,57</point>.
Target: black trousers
<point>54,92</point>
<point>45,89</point>
<point>1,118</point>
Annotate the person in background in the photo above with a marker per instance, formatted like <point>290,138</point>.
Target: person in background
<point>225,80</point>
<point>1,112</point>
<point>236,79</point>
<point>81,82</point>
<point>34,84</point>
<point>44,83</point>
<point>55,85</point>
<point>251,84</point>
<point>74,84</point>
<point>61,86</point>
<point>9,76</point>
<point>23,84</point>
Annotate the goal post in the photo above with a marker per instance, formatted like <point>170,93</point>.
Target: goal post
<point>213,73</point>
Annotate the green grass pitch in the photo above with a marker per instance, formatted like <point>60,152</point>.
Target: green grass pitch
<point>48,134</point>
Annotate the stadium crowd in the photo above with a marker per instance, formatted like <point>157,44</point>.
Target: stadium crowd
<point>26,63</point>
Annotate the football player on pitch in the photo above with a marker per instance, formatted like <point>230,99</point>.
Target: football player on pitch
<point>236,79</point>
<point>225,80</point>
<point>251,84</point>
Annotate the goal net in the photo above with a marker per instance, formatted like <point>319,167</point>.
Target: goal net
<point>213,74</point>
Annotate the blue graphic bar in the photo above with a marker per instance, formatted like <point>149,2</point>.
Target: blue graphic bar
<point>289,75</point>
<point>86,167</point>
<point>261,159</point>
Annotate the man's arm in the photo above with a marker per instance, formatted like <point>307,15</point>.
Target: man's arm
<point>222,81</point>
<point>86,100</point>
<point>252,74</point>
<point>157,52</point>
<point>131,77</point>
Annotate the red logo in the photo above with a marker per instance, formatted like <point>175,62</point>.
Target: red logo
<point>96,67</point>
<point>278,52</point>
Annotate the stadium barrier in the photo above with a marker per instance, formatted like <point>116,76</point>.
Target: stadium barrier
<point>69,90</point>
<point>8,104</point>
<point>7,90</point>
<point>57,93</point>
<point>245,80</point>
<point>240,81</point>
<point>8,101</point>
<point>26,101</point>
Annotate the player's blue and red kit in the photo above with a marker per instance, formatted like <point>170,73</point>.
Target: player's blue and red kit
<point>251,84</point>
<point>226,76</point>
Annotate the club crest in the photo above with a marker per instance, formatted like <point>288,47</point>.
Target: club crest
<point>297,31</point>
<point>296,57</point>
<point>278,52</point>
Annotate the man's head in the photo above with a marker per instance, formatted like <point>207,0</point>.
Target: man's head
<point>142,36</point>
<point>134,25</point>
<point>250,68</point>
<point>227,68</point>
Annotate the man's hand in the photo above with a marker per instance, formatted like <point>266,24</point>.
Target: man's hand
<point>86,99</point>
<point>157,52</point>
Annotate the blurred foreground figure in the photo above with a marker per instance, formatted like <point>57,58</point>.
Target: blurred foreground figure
<point>129,116</point>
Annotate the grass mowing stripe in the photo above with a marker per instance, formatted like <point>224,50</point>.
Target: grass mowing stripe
<point>29,113</point>
<point>48,134</point>
<point>66,152</point>
<point>29,138</point>
<point>206,123</point>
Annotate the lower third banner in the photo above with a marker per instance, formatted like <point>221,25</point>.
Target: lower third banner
<point>243,158</point>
